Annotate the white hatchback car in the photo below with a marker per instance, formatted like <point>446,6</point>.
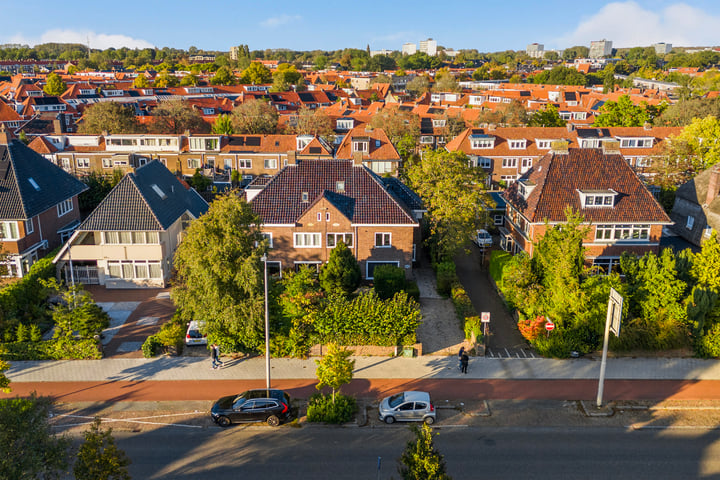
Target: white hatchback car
<point>407,407</point>
<point>193,335</point>
<point>483,238</point>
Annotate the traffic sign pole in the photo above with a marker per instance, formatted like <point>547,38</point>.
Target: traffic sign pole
<point>614,316</point>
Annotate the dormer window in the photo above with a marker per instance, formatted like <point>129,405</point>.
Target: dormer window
<point>543,143</point>
<point>439,123</point>
<point>597,198</point>
<point>517,144</point>
<point>345,124</point>
<point>481,141</point>
<point>641,142</point>
<point>360,144</point>
<point>525,188</point>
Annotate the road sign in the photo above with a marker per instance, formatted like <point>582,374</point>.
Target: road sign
<point>615,304</point>
<point>549,326</point>
<point>485,317</point>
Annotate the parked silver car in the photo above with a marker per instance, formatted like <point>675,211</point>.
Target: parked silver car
<point>407,407</point>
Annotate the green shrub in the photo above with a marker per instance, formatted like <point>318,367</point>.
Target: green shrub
<point>151,346</point>
<point>462,303</point>
<point>473,325</point>
<point>322,409</point>
<point>35,333</point>
<point>412,289</point>
<point>171,334</point>
<point>22,334</point>
<point>388,280</point>
<point>709,345</point>
<point>446,277</point>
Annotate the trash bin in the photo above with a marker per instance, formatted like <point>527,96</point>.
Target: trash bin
<point>408,352</point>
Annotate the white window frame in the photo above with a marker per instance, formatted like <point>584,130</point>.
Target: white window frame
<point>10,231</point>
<point>134,264</point>
<point>517,144</point>
<point>29,226</point>
<point>483,143</point>
<point>307,240</point>
<point>270,163</point>
<point>82,162</point>
<point>193,163</point>
<point>107,162</point>
<point>340,236</point>
<point>244,163</point>
<point>385,240</point>
<point>360,146</point>
<point>269,236</point>
<point>622,232</point>
<point>484,162</point>
<point>643,162</point>
<point>526,164</point>
<point>543,144</point>
<point>64,207</point>
<point>508,179</point>
<point>510,162</point>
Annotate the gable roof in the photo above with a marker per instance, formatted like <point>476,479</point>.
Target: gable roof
<point>136,204</point>
<point>558,177</point>
<point>363,201</point>
<point>19,197</point>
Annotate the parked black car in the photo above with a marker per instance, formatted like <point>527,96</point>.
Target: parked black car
<point>259,405</point>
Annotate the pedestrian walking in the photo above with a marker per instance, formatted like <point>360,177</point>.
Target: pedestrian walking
<point>460,354</point>
<point>464,363</point>
<point>215,356</point>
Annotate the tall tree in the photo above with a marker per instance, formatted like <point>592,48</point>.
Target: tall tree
<point>312,122</point>
<point>454,194</point>
<point>547,117</point>
<point>165,79</point>
<point>54,85</point>
<point>223,76</point>
<point>30,450</point>
<point>99,458</point>
<point>255,117</point>
<point>397,124</point>
<point>334,369</point>
<point>622,113</point>
<point>421,460</point>
<point>256,74</point>
<point>141,81</point>
<point>223,125</point>
<point>418,85</point>
<point>111,117</point>
<point>220,275</point>
<point>177,116</point>
<point>341,274</point>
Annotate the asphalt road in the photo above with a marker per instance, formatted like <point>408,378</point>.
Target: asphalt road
<point>487,453</point>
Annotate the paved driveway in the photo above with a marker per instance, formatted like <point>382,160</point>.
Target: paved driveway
<point>505,339</point>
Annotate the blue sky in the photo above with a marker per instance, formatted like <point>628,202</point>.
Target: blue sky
<point>484,25</point>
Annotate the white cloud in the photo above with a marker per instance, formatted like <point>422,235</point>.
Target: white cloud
<point>280,20</point>
<point>97,40</point>
<point>628,24</point>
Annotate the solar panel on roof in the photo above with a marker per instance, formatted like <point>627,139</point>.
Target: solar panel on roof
<point>306,97</point>
<point>252,141</point>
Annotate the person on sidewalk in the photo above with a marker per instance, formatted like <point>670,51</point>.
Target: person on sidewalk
<point>460,354</point>
<point>215,355</point>
<point>464,363</point>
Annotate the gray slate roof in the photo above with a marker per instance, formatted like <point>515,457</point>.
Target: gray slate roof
<point>134,205</point>
<point>19,199</point>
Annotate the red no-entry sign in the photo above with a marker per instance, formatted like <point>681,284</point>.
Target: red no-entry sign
<point>549,326</point>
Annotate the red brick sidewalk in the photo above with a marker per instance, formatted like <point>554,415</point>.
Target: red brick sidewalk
<point>131,331</point>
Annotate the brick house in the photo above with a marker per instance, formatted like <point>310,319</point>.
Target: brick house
<point>310,206</point>
<point>38,205</point>
<point>599,184</point>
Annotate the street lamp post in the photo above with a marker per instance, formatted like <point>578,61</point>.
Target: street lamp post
<point>267,326</point>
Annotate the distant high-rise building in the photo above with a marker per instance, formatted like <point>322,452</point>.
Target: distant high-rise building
<point>535,50</point>
<point>662,48</point>
<point>409,48</point>
<point>380,52</point>
<point>600,48</point>
<point>234,51</point>
<point>429,47</point>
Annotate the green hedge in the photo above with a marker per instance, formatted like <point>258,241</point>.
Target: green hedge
<point>59,349</point>
<point>368,320</point>
<point>446,277</point>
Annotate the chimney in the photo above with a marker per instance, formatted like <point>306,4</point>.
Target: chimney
<point>491,127</point>
<point>713,184</point>
<point>559,147</point>
<point>357,159</point>
<point>611,147</point>
<point>292,157</point>
<point>647,126</point>
<point>58,127</point>
<point>5,135</point>
<point>570,127</point>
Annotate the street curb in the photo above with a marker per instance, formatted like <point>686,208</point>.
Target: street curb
<point>590,410</point>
